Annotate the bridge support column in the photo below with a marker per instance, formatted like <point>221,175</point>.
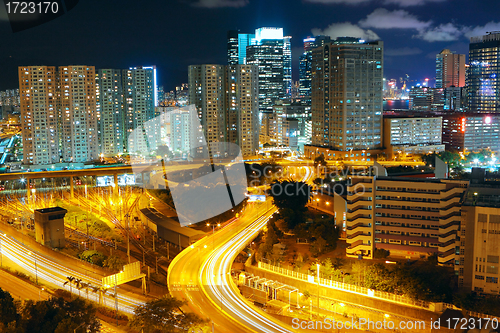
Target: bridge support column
<point>144,285</point>
<point>115,182</point>
<point>28,190</point>
<point>71,187</point>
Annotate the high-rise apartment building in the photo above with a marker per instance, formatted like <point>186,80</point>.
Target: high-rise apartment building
<point>450,69</point>
<point>347,95</point>
<point>79,137</point>
<point>39,95</point>
<point>139,97</point>
<point>407,216</point>
<point>243,107</point>
<point>482,77</point>
<point>110,112</point>
<point>207,93</point>
<point>305,61</point>
<point>226,98</point>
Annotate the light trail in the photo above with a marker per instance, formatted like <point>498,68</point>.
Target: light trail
<point>56,274</point>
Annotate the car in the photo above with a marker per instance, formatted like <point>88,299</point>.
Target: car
<point>2,187</point>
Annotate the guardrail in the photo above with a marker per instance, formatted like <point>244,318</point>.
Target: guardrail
<point>346,287</point>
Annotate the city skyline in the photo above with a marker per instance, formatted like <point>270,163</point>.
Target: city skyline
<point>411,31</point>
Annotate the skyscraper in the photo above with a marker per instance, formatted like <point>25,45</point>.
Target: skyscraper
<point>450,69</point>
<point>226,98</point>
<point>347,94</point>
<point>39,114</point>
<point>243,41</point>
<point>79,139</point>
<point>483,82</point>
<point>305,65</point>
<point>287,65</point>
<point>207,93</point>
<point>243,107</point>
<point>139,90</point>
<point>266,52</point>
<point>232,47</point>
<point>110,112</point>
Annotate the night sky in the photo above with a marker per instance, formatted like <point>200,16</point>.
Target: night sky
<point>173,34</point>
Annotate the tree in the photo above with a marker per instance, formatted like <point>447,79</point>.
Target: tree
<point>114,263</point>
<point>163,315</point>
<point>319,161</point>
<point>164,151</point>
<point>70,280</point>
<point>8,310</point>
<point>92,256</point>
<point>291,198</point>
<point>318,247</point>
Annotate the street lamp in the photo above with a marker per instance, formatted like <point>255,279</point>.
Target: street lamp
<point>36,269</point>
<point>39,293</point>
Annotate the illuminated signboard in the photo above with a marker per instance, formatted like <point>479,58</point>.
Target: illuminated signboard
<point>256,198</point>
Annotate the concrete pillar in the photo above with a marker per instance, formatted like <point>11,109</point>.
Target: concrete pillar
<point>71,187</point>
<point>28,190</point>
<point>115,181</point>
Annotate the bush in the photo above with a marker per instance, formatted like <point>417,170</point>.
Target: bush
<point>111,313</point>
<point>94,257</point>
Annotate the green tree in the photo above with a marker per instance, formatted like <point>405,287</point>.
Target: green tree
<point>164,151</point>
<point>114,263</point>
<point>8,310</point>
<point>319,161</point>
<point>318,247</point>
<point>163,315</point>
<point>92,256</point>
<point>291,198</point>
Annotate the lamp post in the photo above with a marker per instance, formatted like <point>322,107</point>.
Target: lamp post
<point>36,269</point>
<point>39,293</point>
<point>1,251</point>
<point>317,266</point>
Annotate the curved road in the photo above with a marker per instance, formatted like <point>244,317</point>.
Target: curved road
<point>201,275</point>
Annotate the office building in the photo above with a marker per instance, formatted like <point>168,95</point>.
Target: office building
<point>426,99</point>
<point>290,126</point>
<point>410,217</point>
<point>411,134</point>
<point>287,65</point>
<point>39,101</point>
<point>110,113</point>
<point>450,69</point>
<point>305,61</point>
<point>79,137</point>
<point>232,47</point>
<point>455,99</point>
<point>482,80</point>
<point>226,99</point>
<point>347,95</point>
<point>267,52</point>
<point>471,132</point>
<point>140,99</point>
<point>479,240</point>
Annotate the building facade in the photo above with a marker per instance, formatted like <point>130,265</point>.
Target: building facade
<point>79,135</point>
<point>267,54</point>
<point>471,132</point>
<point>479,240</point>
<point>39,99</point>
<point>139,86</point>
<point>482,79</point>
<point>412,135</point>
<point>408,217</point>
<point>110,112</point>
<point>226,99</point>
<point>347,95</point>
<point>450,69</point>
<point>305,62</point>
